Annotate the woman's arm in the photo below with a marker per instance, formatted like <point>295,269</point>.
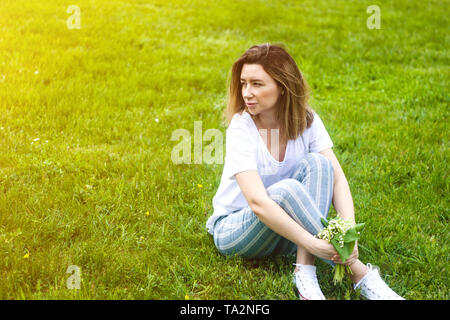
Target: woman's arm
<point>342,198</point>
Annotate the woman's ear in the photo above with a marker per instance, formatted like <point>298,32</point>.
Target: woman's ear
<point>281,87</point>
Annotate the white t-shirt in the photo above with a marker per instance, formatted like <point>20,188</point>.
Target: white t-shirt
<point>246,150</point>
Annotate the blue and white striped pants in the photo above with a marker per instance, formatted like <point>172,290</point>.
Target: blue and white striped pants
<point>305,197</point>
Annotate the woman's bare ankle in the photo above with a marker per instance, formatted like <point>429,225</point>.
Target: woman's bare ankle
<point>305,258</point>
<point>359,270</point>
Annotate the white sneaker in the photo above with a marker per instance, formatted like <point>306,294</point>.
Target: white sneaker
<point>374,288</point>
<point>305,280</point>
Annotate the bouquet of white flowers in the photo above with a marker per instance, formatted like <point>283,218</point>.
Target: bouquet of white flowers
<point>342,234</point>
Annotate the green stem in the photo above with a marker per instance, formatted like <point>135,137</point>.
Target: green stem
<point>349,270</point>
<point>339,273</point>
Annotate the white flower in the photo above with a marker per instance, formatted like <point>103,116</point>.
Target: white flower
<point>335,226</point>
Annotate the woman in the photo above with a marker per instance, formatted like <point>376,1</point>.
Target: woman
<point>281,175</point>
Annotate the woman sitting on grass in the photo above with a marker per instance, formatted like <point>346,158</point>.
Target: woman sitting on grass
<point>281,175</point>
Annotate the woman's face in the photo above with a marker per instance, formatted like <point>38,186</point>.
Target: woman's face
<point>259,90</point>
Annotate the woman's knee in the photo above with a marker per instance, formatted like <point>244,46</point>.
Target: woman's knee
<point>283,189</point>
<point>293,197</point>
<point>289,194</point>
<point>318,160</point>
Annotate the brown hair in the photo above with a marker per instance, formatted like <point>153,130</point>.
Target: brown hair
<point>294,114</point>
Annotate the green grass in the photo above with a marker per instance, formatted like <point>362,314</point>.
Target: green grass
<point>79,195</point>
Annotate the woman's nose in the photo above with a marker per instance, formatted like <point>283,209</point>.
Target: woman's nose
<point>247,92</point>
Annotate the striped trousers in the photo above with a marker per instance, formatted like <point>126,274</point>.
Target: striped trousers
<point>305,197</point>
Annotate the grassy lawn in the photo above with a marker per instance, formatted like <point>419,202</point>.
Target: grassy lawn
<point>87,116</point>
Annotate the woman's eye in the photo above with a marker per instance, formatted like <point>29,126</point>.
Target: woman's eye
<point>254,84</point>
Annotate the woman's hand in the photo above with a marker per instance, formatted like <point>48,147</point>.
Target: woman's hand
<point>323,249</point>
<point>350,260</point>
